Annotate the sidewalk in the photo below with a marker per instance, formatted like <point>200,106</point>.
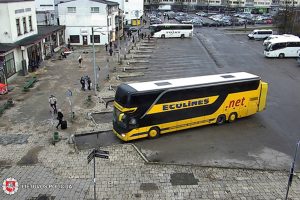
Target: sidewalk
<point>62,172</point>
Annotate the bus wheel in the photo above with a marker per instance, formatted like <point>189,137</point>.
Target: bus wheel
<point>182,36</point>
<point>281,55</point>
<point>221,119</point>
<point>232,117</point>
<point>163,36</point>
<point>153,132</point>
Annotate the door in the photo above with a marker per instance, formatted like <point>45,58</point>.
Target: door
<point>84,40</point>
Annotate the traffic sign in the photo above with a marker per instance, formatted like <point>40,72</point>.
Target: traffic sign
<point>98,155</point>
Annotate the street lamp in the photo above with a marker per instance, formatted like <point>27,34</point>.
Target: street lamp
<point>94,59</point>
<point>292,171</point>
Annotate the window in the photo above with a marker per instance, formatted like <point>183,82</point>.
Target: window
<point>18,27</point>
<point>71,9</point>
<point>30,23</point>
<point>10,68</point>
<point>24,25</point>
<point>74,39</point>
<point>94,9</point>
<point>96,37</point>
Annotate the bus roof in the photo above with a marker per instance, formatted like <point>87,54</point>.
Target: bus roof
<point>285,39</point>
<point>191,81</point>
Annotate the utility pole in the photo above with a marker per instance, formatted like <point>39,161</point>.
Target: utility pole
<point>94,63</point>
<point>292,172</point>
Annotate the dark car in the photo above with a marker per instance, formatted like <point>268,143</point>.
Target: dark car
<point>133,29</point>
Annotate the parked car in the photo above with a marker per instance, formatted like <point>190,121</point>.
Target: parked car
<point>133,29</point>
<point>202,14</point>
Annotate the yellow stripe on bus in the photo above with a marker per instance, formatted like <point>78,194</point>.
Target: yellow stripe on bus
<point>178,105</point>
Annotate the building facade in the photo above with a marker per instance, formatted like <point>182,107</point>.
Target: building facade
<point>241,5</point>
<point>81,17</point>
<point>132,10</point>
<point>45,12</point>
<point>21,41</point>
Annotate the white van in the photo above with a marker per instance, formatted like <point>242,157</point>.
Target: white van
<point>260,34</point>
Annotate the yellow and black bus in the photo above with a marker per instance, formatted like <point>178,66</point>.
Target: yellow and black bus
<point>148,109</point>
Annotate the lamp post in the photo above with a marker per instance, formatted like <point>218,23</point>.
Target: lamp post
<point>94,63</point>
<point>292,171</point>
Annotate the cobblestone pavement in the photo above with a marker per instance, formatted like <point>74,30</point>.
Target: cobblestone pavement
<point>60,171</point>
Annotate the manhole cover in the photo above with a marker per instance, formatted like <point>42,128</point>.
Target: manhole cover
<point>148,186</point>
<point>14,139</point>
<point>183,179</point>
<point>96,139</point>
<point>105,117</point>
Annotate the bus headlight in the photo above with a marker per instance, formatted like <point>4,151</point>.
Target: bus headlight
<point>132,121</point>
<point>123,135</point>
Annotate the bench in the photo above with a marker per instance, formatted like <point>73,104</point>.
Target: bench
<point>29,83</point>
<point>5,106</point>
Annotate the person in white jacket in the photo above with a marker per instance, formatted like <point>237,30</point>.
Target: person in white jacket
<point>52,102</point>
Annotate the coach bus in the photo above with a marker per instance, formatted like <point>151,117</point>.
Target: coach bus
<point>171,30</point>
<point>148,109</point>
<point>283,47</point>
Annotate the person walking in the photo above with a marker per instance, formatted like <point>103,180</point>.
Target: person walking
<point>106,45</point>
<point>82,82</point>
<point>80,60</point>
<point>60,117</point>
<point>52,102</point>
<point>89,82</point>
<point>110,44</point>
<point>111,51</point>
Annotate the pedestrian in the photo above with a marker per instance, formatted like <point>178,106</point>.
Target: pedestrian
<point>110,51</point>
<point>138,32</point>
<point>142,35</point>
<point>110,44</point>
<point>132,39</point>
<point>106,45</point>
<point>60,117</point>
<point>80,60</point>
<point>148,37</point>
<point>89,82</point>
<point>52,102</point>
<point>63,55</point>
<point>82,82</point>
<point>86,82</point>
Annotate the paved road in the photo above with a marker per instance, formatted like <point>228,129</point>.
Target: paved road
<point>265,140</point>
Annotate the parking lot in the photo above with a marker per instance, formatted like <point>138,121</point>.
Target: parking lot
<point>266,140</point>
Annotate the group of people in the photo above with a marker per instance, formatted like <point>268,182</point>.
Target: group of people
<point>85,82</point>
<point>53,101</point>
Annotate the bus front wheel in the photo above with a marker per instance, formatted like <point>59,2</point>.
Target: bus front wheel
<point>221,119</point>
<point>232,117</point>
<point>154,132</point>
<point>163,36</point>
<point>281,55</point>
<point>182,36</point>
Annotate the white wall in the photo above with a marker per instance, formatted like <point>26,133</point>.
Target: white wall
<point>131,7</point>
<point>81,22</point>
<point>44,5</point>
<point>8,31</point>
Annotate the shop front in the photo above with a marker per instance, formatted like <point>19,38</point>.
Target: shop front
<point>7,66</point>
<point>34,54</point>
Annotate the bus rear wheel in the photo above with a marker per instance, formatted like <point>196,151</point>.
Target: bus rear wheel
<point>232,117</point>
<point>221,119</point>
<point>281,55</point>
<point>182,36</point>
<point>154,132</point>
<point>163,36</point>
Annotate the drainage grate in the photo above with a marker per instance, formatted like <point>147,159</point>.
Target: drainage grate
<point>183,179</point>
<point>148,186</point>
<point>14,139</point>
<point>105,117</point>
<point>96,139</point>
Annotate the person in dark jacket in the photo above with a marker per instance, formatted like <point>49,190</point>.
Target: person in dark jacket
<point>60,117</point>
<point>89,82</point>
<point>110,51</point>
<point>82,82</point>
